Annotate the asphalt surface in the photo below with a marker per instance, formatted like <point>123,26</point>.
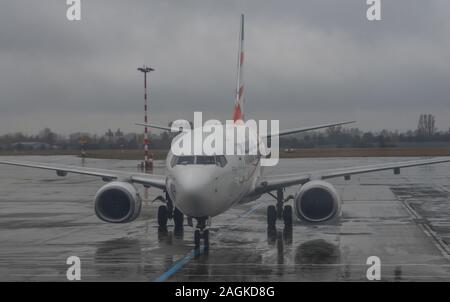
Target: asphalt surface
<point>402,219</point>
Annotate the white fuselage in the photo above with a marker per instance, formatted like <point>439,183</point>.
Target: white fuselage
<point>201,189</point>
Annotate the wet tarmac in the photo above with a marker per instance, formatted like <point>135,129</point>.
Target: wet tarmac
<point>403,219</point>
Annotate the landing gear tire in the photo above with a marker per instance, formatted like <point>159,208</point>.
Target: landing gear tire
<point>197,239</point>
<point>271,217</point>
<point>162,216</point>
<point>206,239</point>
<point>178,219</point>
<point>198,236</point>
<point>287,217</point>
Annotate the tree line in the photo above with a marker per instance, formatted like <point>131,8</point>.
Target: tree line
<point>425,133</point>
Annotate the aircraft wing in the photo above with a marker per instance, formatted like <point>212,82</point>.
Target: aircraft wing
<point>270,183</point>
<point>153,180</point>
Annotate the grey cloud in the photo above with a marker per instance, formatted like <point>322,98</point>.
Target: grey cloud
<point>318,56</point>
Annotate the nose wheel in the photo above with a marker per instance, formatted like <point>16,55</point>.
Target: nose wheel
<point>198,236</point>
<point>201,233</point>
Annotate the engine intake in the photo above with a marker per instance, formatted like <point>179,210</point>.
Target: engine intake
<point>317,201</point>
<point>117,202</point>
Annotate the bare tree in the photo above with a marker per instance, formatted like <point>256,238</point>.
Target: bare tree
<point>118,133</point>
<point>48,136</point>
<point>109,134</point>
<point>333,131</point>
<point>426,125</point>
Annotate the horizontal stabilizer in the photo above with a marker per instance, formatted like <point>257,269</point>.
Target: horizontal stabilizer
<point>154,126</point>
<point>304,129</point>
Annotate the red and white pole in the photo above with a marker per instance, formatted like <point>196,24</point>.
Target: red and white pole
<point>148,160</point>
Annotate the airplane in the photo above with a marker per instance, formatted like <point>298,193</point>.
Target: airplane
<point>203,186</point>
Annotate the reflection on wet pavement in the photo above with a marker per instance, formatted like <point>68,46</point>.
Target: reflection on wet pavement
<point>45,218</point>
<point>118,259</point>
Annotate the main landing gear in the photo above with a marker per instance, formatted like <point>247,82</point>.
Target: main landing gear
<point>167,211</point>
<point>279,211</point>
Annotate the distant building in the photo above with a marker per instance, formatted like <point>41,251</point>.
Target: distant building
<point>32,146</point>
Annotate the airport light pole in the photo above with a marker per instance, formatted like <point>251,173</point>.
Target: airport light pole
<point>148,159</point>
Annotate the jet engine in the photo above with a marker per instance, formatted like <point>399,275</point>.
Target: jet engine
<point>117,202</point>
<point>317,201</point>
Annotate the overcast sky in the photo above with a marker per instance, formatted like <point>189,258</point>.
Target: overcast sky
<point>307,61</point>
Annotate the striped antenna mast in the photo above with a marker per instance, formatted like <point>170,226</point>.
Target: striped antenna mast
<point>148,160</point>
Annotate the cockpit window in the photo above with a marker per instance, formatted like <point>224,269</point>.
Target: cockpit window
<point>218,160</point>
<point>185,160</point>
<point>206,160</point>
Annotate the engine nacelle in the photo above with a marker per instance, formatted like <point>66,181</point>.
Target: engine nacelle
<point>117,202</point>
<point>317,201</point>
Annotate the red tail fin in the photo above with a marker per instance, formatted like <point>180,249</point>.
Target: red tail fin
<point>237,113</point>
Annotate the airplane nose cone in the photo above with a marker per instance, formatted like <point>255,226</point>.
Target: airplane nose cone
<point>194,181</point>
<point>194,191</point>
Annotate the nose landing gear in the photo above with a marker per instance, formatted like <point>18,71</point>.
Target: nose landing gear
<point>201,233</point>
